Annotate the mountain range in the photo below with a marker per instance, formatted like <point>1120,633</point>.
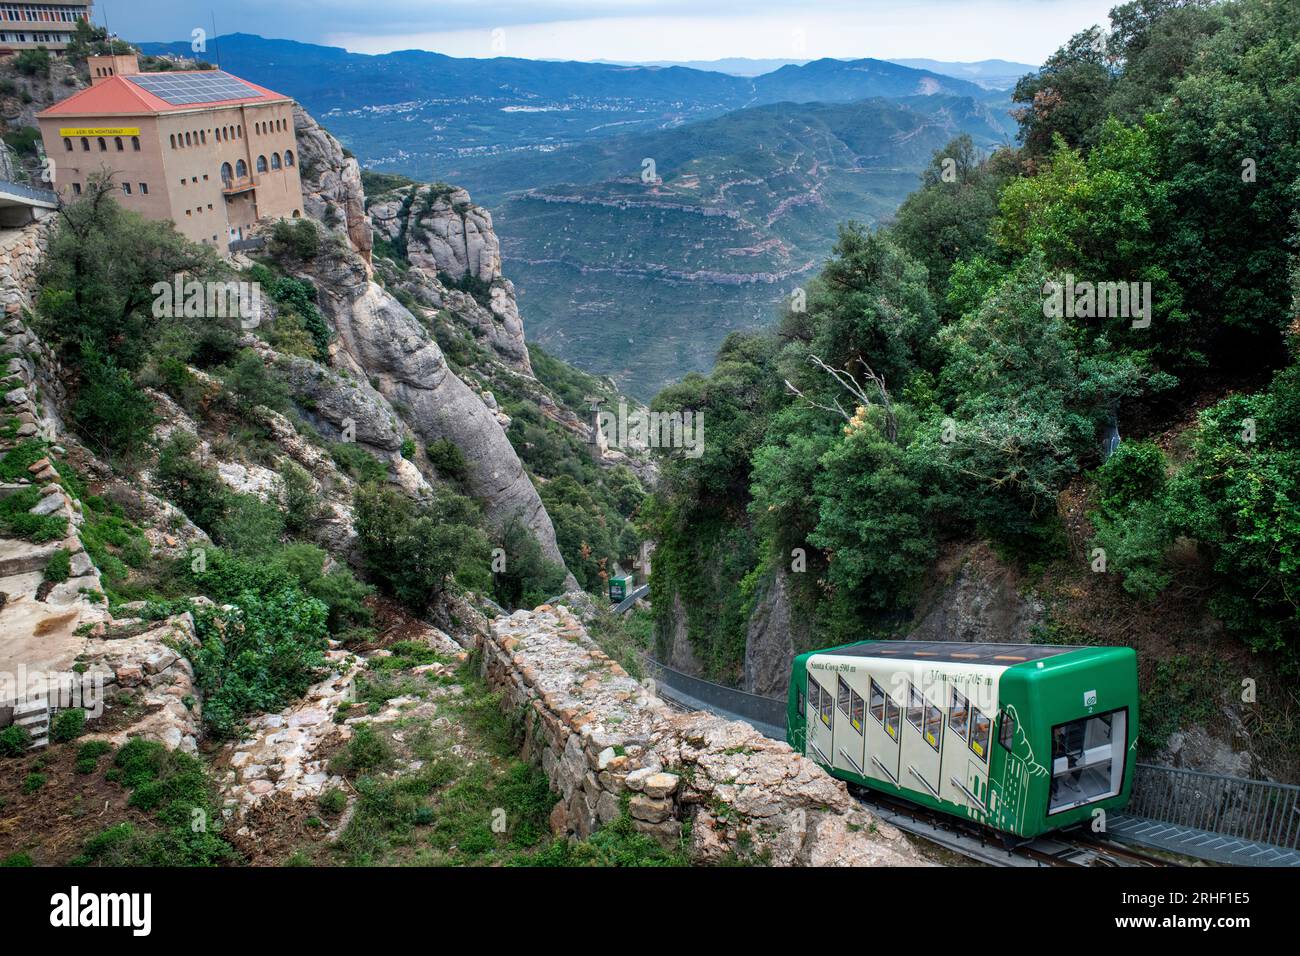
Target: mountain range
<point>644,211</point>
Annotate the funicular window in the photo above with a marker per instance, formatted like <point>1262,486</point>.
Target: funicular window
<point>857,713</point>
<point>959,714</point>
<point>980,728</point>
<point>844,694</point>
<point>933,725</point>
<point>826,705</point>
<point>893,716</point>
<point>915,707</point>
<point>800,704</point>
<point>1007,730</point>
<point>1087,760</point>
<point>877,701</point>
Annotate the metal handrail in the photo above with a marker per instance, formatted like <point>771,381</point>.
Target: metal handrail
<point>1261,811</point>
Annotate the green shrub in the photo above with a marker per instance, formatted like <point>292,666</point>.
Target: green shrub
<point>1135,471</point>
<point>33,782</point>
<point>298,239</point>
<point>33,62</point>
<point>333,801</point>
<point>358,463</point>
<point>16,521</point>
<point>59,567</point>
<point>111,411</point>
<point>14,741</point>
<point>366,752</point>
<point>189,484</point>
<point>298,498</point>
<point>68,725</point>
<point>446,456</point>
<point>17,859</point>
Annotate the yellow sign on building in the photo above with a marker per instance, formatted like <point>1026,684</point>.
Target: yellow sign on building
<point>102,131</point>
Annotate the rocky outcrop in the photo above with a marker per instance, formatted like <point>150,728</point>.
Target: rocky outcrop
<point>380,343</point>
<point>456,263</point>
<point>603,739</point>
<point>331,183</point>
<point>769,640</point>
<point>497,323</point>
<point>976,598</point>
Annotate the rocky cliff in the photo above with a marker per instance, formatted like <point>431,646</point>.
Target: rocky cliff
<point>396,372</point>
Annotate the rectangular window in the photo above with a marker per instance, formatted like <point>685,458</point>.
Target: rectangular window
<point>892,717</point>
<point>1007,731</point>
<point>958,714</point>
<point>827,705</point>
<point>857,711</point>
<point>799,704</point>
<point>979,733</point>
<point>812,695</point>
<point>877,701</point>
<point>933,725</point>
<point>1087,760</point>
<point>126,188</point>
<point>76,188</point>
<point>144,189</point>
<point>915,707</point>
<point>844,694</point>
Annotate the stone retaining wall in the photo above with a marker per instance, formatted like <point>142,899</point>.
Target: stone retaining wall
<point>604,740</point>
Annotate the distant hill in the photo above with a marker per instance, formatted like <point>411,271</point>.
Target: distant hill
<point>642,280</point>
<point>736,66</point>
<point>990,74</point>
<point>623,277</point>
<point>411,111</point>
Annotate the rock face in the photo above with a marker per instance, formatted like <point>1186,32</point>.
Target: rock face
<point>601,738</point>
<point>498,322</point>
<point>379,341</point>
<point>769,644</point>
<point>449,242</point>
<point>979,602</point>
<point>331,183</point>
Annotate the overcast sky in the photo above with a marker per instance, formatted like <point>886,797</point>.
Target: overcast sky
<point>640,30</point>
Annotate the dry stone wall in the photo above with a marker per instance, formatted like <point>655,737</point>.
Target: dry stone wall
<point>605,740</point>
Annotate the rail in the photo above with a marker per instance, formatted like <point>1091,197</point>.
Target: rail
<point>767,714</point>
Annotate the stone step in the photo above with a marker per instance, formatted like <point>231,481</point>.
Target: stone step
<point>23,557</point>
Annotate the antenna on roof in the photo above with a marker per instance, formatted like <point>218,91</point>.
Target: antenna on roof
<point>216,46</point>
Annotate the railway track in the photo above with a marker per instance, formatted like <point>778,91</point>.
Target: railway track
<point>1063,849</point>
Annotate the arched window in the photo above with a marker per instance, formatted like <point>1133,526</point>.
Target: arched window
<point>288,157</point>
<point>188,141</point>
<point>67,144</point>
<point>117,141</point>
<point>275,160</point>
<point>135,143</point>
<point>203,137</point>
<point>85,145</point>
<point>173,140</point>
<point>261,164</point>
<point>103,145</point>
<point>241,169</point>
<point>297,214</point>
<point>226,173</point>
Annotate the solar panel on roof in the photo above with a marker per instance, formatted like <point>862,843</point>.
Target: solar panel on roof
<point>190,88</point>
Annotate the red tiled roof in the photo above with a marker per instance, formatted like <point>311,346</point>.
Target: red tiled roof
<point>118,95</point>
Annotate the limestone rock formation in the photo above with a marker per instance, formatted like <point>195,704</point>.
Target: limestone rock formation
<point>380,342</point>
<point>331,183</point>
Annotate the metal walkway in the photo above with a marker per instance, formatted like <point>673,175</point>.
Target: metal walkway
<point>1201,844</point>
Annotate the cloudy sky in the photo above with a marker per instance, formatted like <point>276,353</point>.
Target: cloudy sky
<point>638,30</point>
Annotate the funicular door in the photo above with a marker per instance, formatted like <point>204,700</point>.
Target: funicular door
<point>922,740</point>
<point>884,728</point>
<point>820,717</point>
<point>850,722</point>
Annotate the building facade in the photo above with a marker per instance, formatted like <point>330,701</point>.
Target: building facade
<point>206,150</point>
<point>26,26</point>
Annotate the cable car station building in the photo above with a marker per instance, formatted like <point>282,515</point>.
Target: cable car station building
<point>206,150</point>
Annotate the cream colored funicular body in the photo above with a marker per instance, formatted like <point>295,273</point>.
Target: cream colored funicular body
<point>920,725</point>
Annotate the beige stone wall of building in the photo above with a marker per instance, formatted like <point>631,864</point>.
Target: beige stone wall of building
<point>176,173</point>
